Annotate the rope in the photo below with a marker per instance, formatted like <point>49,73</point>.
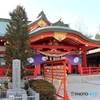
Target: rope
<point>57,55</point>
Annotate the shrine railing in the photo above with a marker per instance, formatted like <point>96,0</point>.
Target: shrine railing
<point>90,70</point>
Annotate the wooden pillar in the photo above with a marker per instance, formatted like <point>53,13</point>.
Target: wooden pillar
<point>79,68</point>
<point>69,68</point>
<point>84,59</point>
<point>37,69</point>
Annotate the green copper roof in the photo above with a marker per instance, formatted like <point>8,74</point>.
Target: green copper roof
<point>51,27</point>
<point>4,22</point>
<point>61,29</point>
<point>3,25</point>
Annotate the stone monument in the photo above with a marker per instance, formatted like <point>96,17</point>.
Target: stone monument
<point>16,74</point>
<point>16,93</point>
<point>16,77</point>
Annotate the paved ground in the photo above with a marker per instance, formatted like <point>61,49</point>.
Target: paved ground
<point>89,90</point>
<point>92,88</point>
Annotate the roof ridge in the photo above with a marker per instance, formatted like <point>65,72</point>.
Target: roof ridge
<point>4,20</point>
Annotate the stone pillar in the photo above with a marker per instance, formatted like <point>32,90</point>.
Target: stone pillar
<point>16,89</point>
<point>16,74</point>
<point>24,97</point>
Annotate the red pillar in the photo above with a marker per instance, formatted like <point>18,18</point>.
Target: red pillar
<point>79,68</point>
<point>84,59</point>
<point>69,68</point>
<point>37,69</point>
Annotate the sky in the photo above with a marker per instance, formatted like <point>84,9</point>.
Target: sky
<point>88,11</point>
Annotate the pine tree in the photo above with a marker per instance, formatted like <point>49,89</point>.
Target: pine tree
<point>17,37</point>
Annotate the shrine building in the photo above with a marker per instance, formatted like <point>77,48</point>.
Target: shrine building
<point>57,40</point>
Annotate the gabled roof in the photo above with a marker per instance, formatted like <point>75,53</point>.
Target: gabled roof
<point>40,17</point>
<point>60,23</point>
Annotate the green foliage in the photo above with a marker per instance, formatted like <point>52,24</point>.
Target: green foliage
<point>17,37</point>
<point>97,36</point>
<point>43,87</point>
<point>27,73</point>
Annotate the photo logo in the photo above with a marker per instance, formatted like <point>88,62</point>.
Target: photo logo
<point>84,94</point>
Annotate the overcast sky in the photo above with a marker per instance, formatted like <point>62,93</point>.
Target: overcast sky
<point>69,10</point>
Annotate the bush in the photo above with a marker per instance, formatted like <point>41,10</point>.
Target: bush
<point>43,87</point>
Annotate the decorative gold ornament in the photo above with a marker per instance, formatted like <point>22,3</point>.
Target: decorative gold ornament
<point>42,23</point>
<point>59,36</point>
<point>42,36</point>
<point>7,42</point>
<point>76,39</point>
<point>98,44</point>
<point>86,44</point>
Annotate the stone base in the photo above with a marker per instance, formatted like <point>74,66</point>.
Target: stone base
<point>18,92</point>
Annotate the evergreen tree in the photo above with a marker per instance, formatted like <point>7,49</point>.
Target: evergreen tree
<point>17,37</point>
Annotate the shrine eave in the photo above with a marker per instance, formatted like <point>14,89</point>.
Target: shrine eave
<point>2,37</point>
<point>61,29</point>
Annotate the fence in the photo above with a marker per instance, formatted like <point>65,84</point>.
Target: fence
<point>90,70</point>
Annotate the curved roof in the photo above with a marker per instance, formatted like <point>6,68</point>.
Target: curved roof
<point>61,29</point>
<point>3,25</point>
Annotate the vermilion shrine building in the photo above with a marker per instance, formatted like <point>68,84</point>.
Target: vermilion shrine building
<point>55,41</point>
